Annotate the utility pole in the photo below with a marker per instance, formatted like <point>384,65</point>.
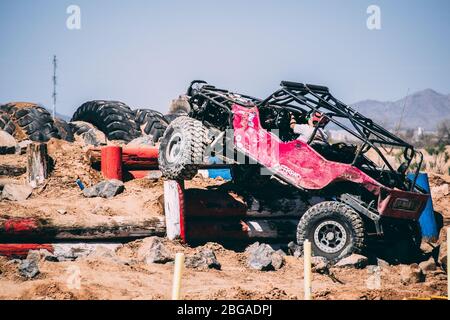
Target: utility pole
<point>54,86</point>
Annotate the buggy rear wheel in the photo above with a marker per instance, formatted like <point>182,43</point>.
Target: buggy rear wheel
<point>334,229</point>
<point>182,148</point>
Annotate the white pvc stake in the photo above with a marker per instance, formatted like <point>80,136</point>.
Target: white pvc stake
<point>448,263</point>
<point>179,264</point>
<point>307,266</point>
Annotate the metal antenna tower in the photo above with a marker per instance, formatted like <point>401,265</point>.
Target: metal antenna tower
<point>54,86</point>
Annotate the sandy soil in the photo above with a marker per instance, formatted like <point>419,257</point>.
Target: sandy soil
<point>122,276</point>
<point>106,278</point>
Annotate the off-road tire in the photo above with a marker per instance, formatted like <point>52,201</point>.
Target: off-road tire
<point>32,121</point>
<point>151,123</point>
<point>65,130</point>
<point>309,228</point>
<point>80,127</point>
<point>182,148</point>
<point>115,119</point>
<point>6,124</point>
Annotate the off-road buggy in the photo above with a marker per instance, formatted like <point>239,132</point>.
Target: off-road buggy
<point>360,199</point>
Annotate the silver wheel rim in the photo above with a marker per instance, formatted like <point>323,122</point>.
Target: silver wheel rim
<point>330,236</point>
<point>173,150</point>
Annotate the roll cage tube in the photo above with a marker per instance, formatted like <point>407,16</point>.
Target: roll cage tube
<point>293,96</point>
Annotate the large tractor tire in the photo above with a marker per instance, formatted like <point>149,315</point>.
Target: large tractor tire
<point>151,122</point>
<point>35,122</point>
<point>6,124</point>
<point>183,148</point>
<point>334,229</point>
<point>64,130</point>
<point>115,119</point>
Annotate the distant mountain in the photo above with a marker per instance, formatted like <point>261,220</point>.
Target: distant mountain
<point>424,109</point>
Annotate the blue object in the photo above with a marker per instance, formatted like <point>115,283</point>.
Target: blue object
<point>427,220</point>
<point>80,184</point>
<point>214,173</point>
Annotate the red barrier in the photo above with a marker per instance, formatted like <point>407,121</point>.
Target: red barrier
<point>148,153</point>
<point>111,164</point>
<point>19,226</point>
<point>21,250</point>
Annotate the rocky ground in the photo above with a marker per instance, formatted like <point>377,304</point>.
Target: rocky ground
<point>143,269</point>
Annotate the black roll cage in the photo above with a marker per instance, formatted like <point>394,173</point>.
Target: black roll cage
<point>293,96</point>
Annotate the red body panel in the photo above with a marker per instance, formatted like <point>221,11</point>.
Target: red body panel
<point>304,167</point>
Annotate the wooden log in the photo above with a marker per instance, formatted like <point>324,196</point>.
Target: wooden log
<point>37,164</point>
<point>22,230</point>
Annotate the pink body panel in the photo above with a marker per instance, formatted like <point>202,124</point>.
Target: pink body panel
<point>294,160</point>
<point>304,167</point>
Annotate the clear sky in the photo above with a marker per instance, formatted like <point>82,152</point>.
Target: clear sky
<point>145,52</point>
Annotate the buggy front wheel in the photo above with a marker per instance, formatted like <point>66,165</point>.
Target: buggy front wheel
<point>334,229</point>
<point>183,148</point>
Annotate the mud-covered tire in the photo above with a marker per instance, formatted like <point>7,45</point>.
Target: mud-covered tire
<point>151,123</point>
<point>334,229</point>
<point>6,123</point>
<point>65,130</point>
<point>115,119</point>
<point>182,148</point>
<point>34,121</point>
<point>249,176</point>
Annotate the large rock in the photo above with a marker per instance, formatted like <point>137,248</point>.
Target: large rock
<point>320,265</point>
<point>153,250</point>
<point>87,133</point>
<point>354,261</point>
<point>16,192</point>
<point>105,189</point>
<point>263,258</point>
<point>29,268</point>
<point>294,249</point>
<point>427,266</point>
<point>145,141</point>
<point>90,138</point>
<point>69,251</point>
<point>205,258</point>
<point>277,259</point>
<point>410,274</point>
<point>8,144</point>
<point>103,253</point>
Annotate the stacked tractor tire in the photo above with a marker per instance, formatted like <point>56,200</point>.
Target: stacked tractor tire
<point>116,120</point>
<point>28,121</point>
